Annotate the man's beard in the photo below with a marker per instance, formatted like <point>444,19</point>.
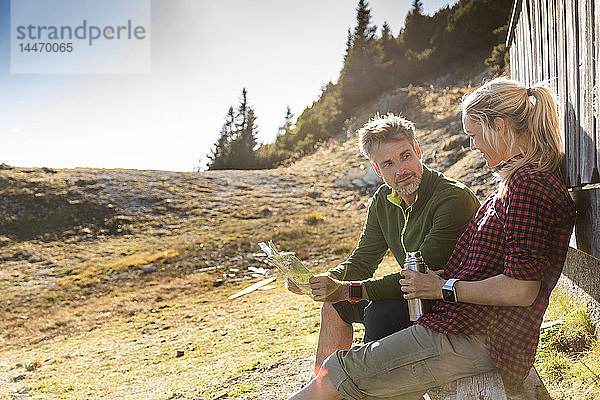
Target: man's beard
<point>411,187</point>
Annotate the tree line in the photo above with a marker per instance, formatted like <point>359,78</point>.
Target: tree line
<point>375,61</point>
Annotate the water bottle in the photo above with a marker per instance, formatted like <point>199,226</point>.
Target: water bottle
<point>416,307</point>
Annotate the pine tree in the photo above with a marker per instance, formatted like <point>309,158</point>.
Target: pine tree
<point>348,45</point>
<point>244,139</point>
<point>417,7</point>
<point>386,32</point>
<point>388,42</point>
<point>220,152</point>
<point>361,75</point>
<point>246,142</point>
<point>364,31</point>
<point>242,112</point>
<point>237,142</point>
<point>288,123</point>
<point>418,28</point>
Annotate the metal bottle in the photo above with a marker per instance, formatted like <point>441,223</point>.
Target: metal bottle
<point>416,307</point>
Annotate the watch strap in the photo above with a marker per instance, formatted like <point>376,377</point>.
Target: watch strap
<point>449,292</point>
<point>355,292</point>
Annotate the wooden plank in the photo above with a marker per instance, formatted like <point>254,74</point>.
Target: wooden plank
<point>581,280</point>
<point>597,90</point>
<point>587,145</point>
<point>530,70</point>
<point>541,49</point>
<point>572,111</point>
<point>540,40</point>
<point>527,44</point>
<point>516,69</point>
<point>522,43</point>
<point>561,62</point>
<point>514,53</point>
<point>545,40</point>
<point>514,19</point>
<point>513,66</point>
<point>517,72</point>
<point>541,31</point>
<point>515,50</point>
<point>534,387</point>
<point>535,45</point>
<point>587,224</point>
<point>487,386</point>
<point>552,46</point>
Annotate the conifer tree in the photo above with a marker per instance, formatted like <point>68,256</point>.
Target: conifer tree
<point>364,31</point>
<point>418,28</point>
<point>288,123</point>
<point>361,75</point>
<point>235,146</point>
<point>220,152</point>
<point>417,7</point>
<point>244,139</point>
<point>388,42</point>
<point>386,32</point>
<point>246,142</point>
<point>348,45</point>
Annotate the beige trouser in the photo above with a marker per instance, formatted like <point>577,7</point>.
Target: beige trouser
<point>404,365</point>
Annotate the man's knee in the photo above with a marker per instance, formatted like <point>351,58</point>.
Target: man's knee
<point>351,312</point>
<point>329,315</point>
<point>382,318</point>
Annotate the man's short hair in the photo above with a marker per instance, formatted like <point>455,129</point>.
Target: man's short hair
<point>382,129</point>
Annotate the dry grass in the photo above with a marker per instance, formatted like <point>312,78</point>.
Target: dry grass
<point>135,356</point>
<point>257,346</point>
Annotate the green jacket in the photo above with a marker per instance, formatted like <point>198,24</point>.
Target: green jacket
<point>432,224</point>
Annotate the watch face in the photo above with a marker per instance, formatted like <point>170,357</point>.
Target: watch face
<point>356,292</point>
<point>448,296</point>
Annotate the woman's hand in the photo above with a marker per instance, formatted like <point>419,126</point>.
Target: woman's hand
<point>417,285</point>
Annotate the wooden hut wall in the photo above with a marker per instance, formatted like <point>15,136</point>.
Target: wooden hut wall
<point>558,42</point>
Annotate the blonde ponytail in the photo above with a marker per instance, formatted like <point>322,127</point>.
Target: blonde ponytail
<point>532,119</point>
<point>546,142</point>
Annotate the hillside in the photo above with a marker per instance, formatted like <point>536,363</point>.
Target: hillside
<point>114,283</point>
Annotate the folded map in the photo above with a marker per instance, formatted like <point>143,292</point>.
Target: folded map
<point>289,265</point>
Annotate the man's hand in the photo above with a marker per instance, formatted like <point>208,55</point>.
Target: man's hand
<point>417,285</point>
<point>327,289</point>
<point>292,287</point>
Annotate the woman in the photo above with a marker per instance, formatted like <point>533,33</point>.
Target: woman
<point>494,290</point>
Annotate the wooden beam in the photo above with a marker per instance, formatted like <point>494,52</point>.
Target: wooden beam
<point>587,145</point>
<point>487,386</point>
<point>572,105</point>
<point>514,20</point>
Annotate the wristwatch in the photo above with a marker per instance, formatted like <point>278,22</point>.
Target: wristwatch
<point>355,292</point>
<point>448,291</point>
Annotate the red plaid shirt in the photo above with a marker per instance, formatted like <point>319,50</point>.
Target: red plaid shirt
<point>522,231</point>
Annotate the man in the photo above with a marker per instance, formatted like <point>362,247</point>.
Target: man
<point>417,209</point>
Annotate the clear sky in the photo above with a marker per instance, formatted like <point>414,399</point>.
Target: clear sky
<point>203,53</point>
